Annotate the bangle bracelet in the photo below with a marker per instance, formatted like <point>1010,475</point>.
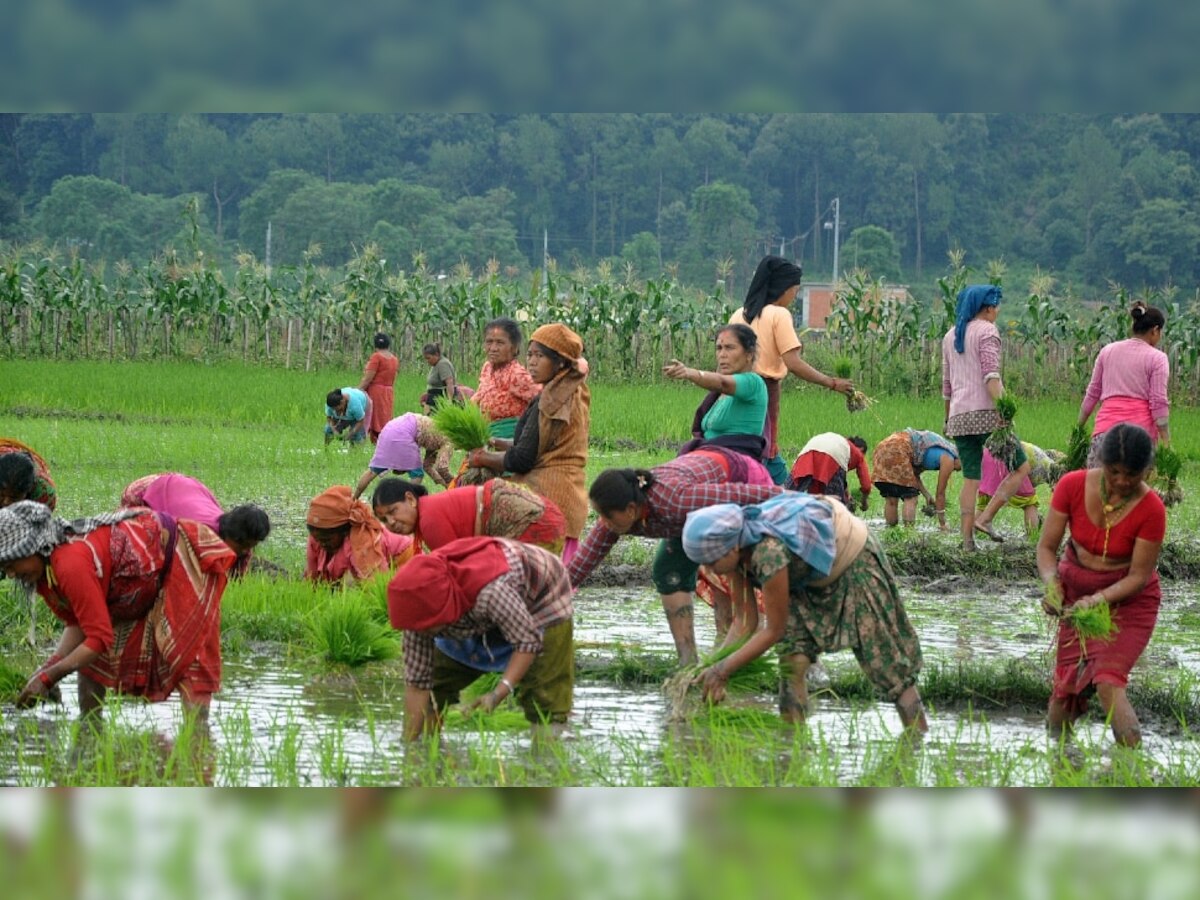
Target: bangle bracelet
<point>45,679</point>
<point>508,684</point>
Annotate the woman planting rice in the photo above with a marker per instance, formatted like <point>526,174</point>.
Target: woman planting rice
<point>1129,381</point>
<point>899,461</point>
<point>767,310</point>
<point>826,586</point>
<point>494,509</point>
<point>505,388</point>
<point>1117,527</point>
<point>346,541</point>
<point>400,447</point>
<point>347,415</point>
<point>181,497</point>
<point>971,385</point>
<point>823,463</point>
<point>655,503</point>
<point>24,475</point>
<point>379,376</point>
<point>1045,467</point>
<point>139,593</point>
<point>733,412</point>
<point>550,441</point>
<point>515,598</point>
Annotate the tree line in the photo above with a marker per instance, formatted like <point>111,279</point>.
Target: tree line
<point>1092,199</point>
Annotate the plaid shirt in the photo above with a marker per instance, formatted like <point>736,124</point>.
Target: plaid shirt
<point>686,483</point>
<point>532,595</point>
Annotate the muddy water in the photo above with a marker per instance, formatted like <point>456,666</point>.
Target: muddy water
<point>279,723</point>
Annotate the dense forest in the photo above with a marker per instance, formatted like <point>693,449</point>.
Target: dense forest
<point>1091,199</point>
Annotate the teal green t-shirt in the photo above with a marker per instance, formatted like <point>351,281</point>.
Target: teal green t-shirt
<point>742,412</point>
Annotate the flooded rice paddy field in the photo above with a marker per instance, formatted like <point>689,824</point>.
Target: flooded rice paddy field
<point>279,721</point>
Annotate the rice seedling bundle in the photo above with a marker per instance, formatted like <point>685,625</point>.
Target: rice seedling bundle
<point>1092,621</point>
<point>465,426</point>
<point>345,631</point>
<point>1077,447</point>
<point>683,691</point>
<point>1003,442</point>
<point>1167,466</point>
<point>857,401</point>
<point>842,367</point>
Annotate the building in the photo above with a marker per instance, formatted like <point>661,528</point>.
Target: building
<point>817,298</point>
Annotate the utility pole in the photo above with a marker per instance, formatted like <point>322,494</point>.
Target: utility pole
<point>836,225</point>
<point>545,259</point>
<point>268,257</point>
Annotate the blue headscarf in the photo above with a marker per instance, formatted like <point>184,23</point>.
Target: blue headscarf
<point>803,522</point>
<point>971,300</point>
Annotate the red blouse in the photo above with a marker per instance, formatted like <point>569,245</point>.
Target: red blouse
<point>1147,519</point>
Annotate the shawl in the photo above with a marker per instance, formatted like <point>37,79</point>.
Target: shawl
<point>971,300</point>
<point>334,508</point>
<point>441,587</point>
<point>804,524</point>
<point>29,528</point>
<point>773,276</point>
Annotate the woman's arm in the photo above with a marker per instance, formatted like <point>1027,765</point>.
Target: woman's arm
<point>745,609</point>
<point>775,603</point>
<point>518,665</point>
<point>797,366</point>
<point>71,655</point>
<point>365,479</point>
<point>420,718</point>
<point>369,372</point>
<point>1053,529</point>
<point>709,381</point>
<point>1141,568</point>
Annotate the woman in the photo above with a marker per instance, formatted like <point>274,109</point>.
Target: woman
<point>346,542</point>
<point>24,475</point>
<point>655,503</point>
<point>347,414</point>
<point>1117,527</point>
<point>767,310</point>
<point>550,442</point>
<point>734,412</point>
<point>494,509</point>
<point>139,594</point>
<point>823,466</point>
<point>441,381</point>
<point>971,385</point>
<point>505,388</point>
<point>400,447</point>
<point>826,585</point>
<point>899,461</point>
<point>1129,381</point>
<point>242,528</point>
<point>378,377</point>
<point>1045,467</point>
<point>512,595</point>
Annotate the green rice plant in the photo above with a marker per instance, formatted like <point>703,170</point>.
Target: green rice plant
<point>1093,621</point>
<point>465,426</point>
<point>344,631</point>
<point>1077,447</point>
<point>1003,442</point>
<point>1167,465</point>
<point>11,682</point>
<point>843,366</point>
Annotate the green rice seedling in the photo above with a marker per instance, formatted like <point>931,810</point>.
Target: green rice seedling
<point>1077,447</point>
<point>344,631</point>
<point>683,687</point>
<point>842,366</point>
<point>1167,466</point>
<point>465,426</point>
<point>1003,442</point>
<point>1093,621</point>
<point>11,682</point>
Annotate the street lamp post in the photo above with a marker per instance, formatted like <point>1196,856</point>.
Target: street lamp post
<point>836,226</point>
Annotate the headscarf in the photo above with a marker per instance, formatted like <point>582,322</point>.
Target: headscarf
<point>561,339</point>
<point>773,276</point>
<point>971,300</point>
<point>804,523</point>
<point>333,509</point>
<point>29,528</point>
<point>441,587</point>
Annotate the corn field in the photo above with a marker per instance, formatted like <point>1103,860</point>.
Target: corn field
<point>311,316</point>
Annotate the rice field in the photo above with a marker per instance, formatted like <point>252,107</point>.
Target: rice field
<point>313,695</point>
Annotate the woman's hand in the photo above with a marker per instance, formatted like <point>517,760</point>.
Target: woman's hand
<point>841,385</point>
<point>37,691</point>
<point>1052,601</point>
<point>677,370</point>
<point>713,682</point>
<point>1091,600</point>
<point>485,704</point>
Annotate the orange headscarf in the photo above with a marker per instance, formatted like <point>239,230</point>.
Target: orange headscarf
<point>441,587</point>
<point>334,508</point>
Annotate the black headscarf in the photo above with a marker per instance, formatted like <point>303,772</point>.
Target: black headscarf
<point>773,276</point>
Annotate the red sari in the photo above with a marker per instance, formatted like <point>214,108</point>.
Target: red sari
<point>151,610</point>
<point>381,370</point>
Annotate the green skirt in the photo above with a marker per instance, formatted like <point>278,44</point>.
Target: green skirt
<point>504,428</point>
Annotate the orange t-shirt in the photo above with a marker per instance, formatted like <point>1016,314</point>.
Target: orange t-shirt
<point>776,336</point>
